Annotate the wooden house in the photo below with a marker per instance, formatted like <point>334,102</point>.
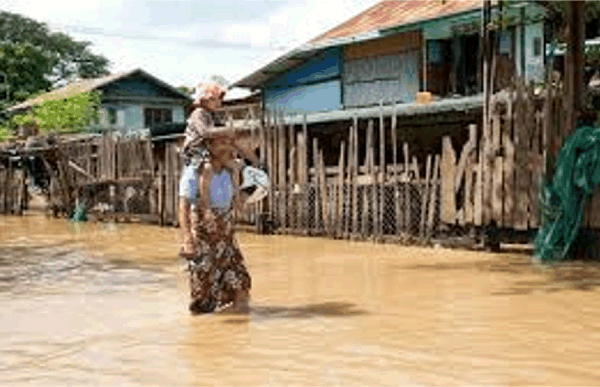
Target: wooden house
<point>376,127</point>
<point>131,101</point>
<point>396,49</point>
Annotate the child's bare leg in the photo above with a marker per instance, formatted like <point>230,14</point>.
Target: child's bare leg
<point>241,303</point>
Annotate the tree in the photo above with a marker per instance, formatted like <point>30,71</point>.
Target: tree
<point>35,59</point>
<point>70,114</point>
<point>558,12</point>
<point>186,90</point>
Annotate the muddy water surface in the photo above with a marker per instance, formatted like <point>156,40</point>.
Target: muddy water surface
<point>107,305</point>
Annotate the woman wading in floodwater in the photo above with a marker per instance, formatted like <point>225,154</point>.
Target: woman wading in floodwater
<point>218,275</point>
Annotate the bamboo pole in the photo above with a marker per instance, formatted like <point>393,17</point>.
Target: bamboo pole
<point>271,167</point>
<point>347,188</point>
<point>340,201</point>
<point>292,179</point>
<point>424,197</point>
<point>372,172</point>
<point>282,173</point>
<point>323,191</point>
<point>433,195</point>
<point>355,229</point>
<point>397,216</point>
<point>407,186</point>
<point>382,173</point>
<point>316,201</point>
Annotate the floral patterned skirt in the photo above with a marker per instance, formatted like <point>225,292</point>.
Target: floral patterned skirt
<point>217,271</point>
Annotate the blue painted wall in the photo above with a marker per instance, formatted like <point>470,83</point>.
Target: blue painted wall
<point>138,86</point>
<point>323,96</point>
<point>313,86</point>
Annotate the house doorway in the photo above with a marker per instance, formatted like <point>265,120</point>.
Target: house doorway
<point>465,61</point>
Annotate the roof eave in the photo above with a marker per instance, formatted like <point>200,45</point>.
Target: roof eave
<point>306,51</point>
<point>28,105</point>
<point>253,80</point>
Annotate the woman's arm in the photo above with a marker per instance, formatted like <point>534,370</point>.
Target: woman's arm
<point>204,194</point>
<point>238,200</point>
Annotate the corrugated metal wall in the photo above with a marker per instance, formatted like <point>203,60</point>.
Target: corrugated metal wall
<point>314,86</point>
<point>385,69</point>
<point>391,78</point>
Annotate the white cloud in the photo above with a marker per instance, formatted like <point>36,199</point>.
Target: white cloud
<point>174,58</point>
<point>256,35</point>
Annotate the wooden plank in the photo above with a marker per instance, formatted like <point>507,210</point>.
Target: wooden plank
<point>593,211</point>
<point>488,167</point>
<point>425,196</point>
<point>521,155</point>
<point>407,195</point>
<point>536,161</point>
<point>302,181</point>
<point>275,170</point>
<point>391,45</point>
<point>340,190</point>
<point>355,228</point>
<point>292,177</point>
<point>275,158</point>
<point>508,165</point>
<point>433,196</point>
<point>497,178</point>
<point>369,164</point>
<point>447,173</point>
<point>324,194</point>
<point>374,196</point>
<point>469,196</point>
<point>418,183</point>
<point>282,174</point>
<point>175,174</point>
<point>316,201</point>
<point>478,200</point>
<point>382,172</point>
<point>348,184</point>
<point>169,185</point>
<point>415,168</point>
<point>466,153</point>
<point>397,214</point>
<point>530,160</point>
<point>293,202</point>
<point>547,119</point>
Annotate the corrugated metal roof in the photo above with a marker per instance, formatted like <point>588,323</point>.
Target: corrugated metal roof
<point>462,104</point>
<point>86,85</point>
<point>392,13</point>
<point>365,26</point>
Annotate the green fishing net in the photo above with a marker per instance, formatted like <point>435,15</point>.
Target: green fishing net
<point>561,201</point>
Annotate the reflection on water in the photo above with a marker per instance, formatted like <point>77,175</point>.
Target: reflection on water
<point>107,305</point>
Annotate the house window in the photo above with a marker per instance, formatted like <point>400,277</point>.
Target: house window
<point>112,115</point>
<point>157,116</point>
<point>537,46</point>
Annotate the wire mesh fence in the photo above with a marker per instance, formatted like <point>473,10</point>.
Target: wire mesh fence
<point>408,211</point>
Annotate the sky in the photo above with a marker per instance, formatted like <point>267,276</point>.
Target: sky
<point>184,42</point>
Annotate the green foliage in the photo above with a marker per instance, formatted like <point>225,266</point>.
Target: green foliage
<point>3,133</point>
<point>186,90</point>
<point>71,114</point>
<point>557,13</point>
<point>34,58</point>
<point>592,56</point>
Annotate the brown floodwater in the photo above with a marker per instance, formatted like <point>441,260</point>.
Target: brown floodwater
<point>106,304</point>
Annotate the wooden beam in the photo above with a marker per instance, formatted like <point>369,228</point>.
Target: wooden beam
<point>575,61</point>
<point>381,174</point>
<point>80,170</point>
